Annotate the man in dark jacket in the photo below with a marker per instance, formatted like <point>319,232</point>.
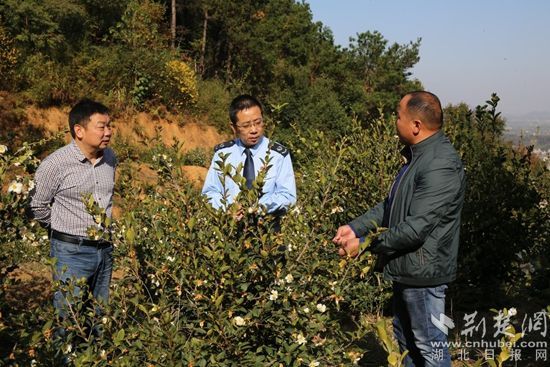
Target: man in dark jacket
<point>422,217</point>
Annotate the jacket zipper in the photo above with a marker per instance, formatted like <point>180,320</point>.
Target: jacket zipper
<point>421,255</point>
<point>397,188</point>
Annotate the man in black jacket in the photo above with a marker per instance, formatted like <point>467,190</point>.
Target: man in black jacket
<point>420,246</point>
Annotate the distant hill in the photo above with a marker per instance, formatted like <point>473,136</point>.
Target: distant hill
<point>528,120</point>
<point>530,129</point>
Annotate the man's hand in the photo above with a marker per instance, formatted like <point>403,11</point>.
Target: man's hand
<point>344,234</point>
<point>349,248</point>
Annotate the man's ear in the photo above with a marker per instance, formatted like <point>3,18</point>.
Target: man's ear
<point>417,126</point>
<point>78,131</point>
<point>233,128</point>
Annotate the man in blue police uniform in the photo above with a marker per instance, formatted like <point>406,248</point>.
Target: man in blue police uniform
<point>248,150</point>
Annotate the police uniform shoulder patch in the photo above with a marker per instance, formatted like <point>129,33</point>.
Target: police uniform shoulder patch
<point>281,149</point>
<point>226,144</point>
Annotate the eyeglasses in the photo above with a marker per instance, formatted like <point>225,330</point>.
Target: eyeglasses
<point>248,124</point>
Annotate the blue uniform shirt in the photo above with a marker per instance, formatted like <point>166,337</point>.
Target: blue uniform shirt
<point>279,190</point>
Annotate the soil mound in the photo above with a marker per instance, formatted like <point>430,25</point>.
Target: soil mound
<point>138,130</point>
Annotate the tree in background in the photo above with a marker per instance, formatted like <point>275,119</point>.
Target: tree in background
<point>383,70</point>
<point>505,219</point>
<point>117,51</point>
<point>9,56</point>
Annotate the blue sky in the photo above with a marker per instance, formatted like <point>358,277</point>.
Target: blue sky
<point>469,48</point>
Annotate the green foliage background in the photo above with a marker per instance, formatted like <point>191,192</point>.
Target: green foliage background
<point>199,288</point>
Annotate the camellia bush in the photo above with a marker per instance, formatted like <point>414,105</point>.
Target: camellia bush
<point>198,287</point>
<point>202,288</point>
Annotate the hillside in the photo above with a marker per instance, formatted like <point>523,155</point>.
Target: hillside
<point>138,129</point>
<point>139,132</point>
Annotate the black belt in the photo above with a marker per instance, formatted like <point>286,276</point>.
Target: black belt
<point>79,241</point>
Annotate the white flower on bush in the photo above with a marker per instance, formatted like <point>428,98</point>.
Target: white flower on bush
<point>300,339</point>
<point>543,204</point>
<point>337,209</point>
<point>239,321</point>
<point>15,187</point>
<point>321,307</point>
<point>289,248</point>
<point>296,210</point>
<point>314,364</point>
<point>512,311</point>
<point>3,149</point>
<point>170,258</point>
<point>31,185</point>
<point>274,295</point>
<point>306,309</point>
<point>104,320</point>
<point>289,278</point>
<point>68,349</point>
<point>103,353</point>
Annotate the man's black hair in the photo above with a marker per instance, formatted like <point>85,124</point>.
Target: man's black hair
<point>82,111</point>
<point>240,103</point>
<point>427,107</point>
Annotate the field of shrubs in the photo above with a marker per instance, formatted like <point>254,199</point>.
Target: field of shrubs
<point>195,287</point>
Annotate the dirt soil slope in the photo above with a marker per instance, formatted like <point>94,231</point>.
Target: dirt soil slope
<point>138,129</point>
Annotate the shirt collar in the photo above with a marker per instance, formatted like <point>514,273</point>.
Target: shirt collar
<point>410,151</point>
<point>77,153</point>
<point>254,149</point>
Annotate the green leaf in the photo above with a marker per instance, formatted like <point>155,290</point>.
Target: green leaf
<point>119,337</point>
<point>130,235</point>
<point>219,301</point>
<point>191,223</point>
<point>47,326</point>
<point>392,359</point>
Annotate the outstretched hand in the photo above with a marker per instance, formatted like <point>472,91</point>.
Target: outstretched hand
<point>349,248</point>
<point>348,242</point>
<point>343,234</point>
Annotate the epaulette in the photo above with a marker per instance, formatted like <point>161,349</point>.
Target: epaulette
<point>226,144</point>
<point>281,149</point>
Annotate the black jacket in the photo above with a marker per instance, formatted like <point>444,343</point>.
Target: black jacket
<point>423,220</point>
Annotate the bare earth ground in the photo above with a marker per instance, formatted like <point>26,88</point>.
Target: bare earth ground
<point>137,128</point>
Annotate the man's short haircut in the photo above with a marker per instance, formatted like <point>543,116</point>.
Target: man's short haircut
<point>427,107</point>
<point>82,111</point>
<point>240,103</point>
